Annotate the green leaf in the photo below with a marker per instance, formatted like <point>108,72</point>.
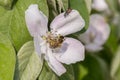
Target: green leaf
<point>112,5</point>
<point>65,3</point>
<point>80,71</point>
<point>118,25</point>
<point>4,20</point>
<point>13,21</point>
<point>6,3</point>
<point>115,67</point>
<point>29,63</point>
<point>60,6</point>
<point>112,39</point>
<point>7,59</point>
<point>55,7</point>
<point>52,9</point>
<point>88,4</point>
<point>48,74</point>
<point>93,68</point>
<point>69,75</point>
<point>81,6</point>
<point>117,77</point>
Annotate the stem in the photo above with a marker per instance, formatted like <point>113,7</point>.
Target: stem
<point>69,4</point>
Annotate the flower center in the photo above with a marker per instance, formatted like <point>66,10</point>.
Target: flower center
<point>54,40</point>
<point>92,36</point>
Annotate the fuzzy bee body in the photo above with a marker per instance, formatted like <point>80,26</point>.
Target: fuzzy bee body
<point>55,42</point>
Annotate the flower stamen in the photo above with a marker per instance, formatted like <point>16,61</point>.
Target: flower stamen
<point>54,40</point>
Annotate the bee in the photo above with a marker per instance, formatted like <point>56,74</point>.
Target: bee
<point>60,39</point>
<point>67,12</point>
<point>55,42</point>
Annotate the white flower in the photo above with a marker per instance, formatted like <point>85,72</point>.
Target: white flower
<point>53,44</point>
<point>96,35</point>
<point>99,5</point>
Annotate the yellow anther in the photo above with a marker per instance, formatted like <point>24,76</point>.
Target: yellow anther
<point>48,32</point>
<point>44,37</point>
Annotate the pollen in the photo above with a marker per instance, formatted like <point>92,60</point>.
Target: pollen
<point>53,40</point>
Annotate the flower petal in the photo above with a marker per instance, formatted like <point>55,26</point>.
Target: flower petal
<point>36,21</point>
<point>93,47</point>
<point>99,5</point>
<point>97,33</point>
<point>71,51</point>
<point>72,23</point>
<point>88,36</point>
<point>40,45</point>
<point>102,28</point>
<point>54,64</point>
<point>37,45</point>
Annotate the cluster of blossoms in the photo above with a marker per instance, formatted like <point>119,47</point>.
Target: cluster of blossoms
<point>53,45</point>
